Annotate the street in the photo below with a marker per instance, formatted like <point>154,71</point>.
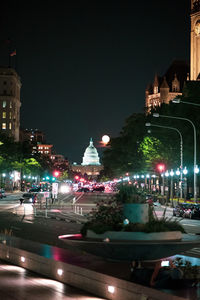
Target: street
<point>60,218</point>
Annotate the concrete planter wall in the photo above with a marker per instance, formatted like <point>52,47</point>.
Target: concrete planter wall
<point>94,282</point>
<point>136,213</point>
<point>136,236</point>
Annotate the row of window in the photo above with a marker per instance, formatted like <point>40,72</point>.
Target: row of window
<point>45,152</point>
<point>43,148</point>
<point>4,115</point>
<point>4,104</point>
<point>5,83</point>
<point>3,126</point>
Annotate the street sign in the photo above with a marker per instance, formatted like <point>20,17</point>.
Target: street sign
<point>54,189</point>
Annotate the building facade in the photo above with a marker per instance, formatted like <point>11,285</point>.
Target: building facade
<point>90,163</point>
<point>33,136</point>
<point>44,149</point>
<point>10,86</point>
<point>195,40</point>
<point>167,87</point>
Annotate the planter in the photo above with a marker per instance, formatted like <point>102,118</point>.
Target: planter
<point>136,213</point>
<point>135,236</point>
<point>132,250</point>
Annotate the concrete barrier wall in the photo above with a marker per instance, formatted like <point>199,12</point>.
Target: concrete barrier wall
<point>90,281</point>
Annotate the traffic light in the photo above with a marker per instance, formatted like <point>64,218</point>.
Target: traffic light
<point>160,168</point>
<point>56,173</point>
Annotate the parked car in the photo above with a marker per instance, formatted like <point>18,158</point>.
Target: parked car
<point>27,198</point>
<point>2,193</point>
<point>83,190</point>
<point>98,189</point>
<point>35,190</point>
<point>179,210</point>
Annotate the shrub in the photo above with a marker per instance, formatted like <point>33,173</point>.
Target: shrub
<point>130,194</point>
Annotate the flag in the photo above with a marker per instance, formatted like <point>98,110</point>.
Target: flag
<point>13,53</point>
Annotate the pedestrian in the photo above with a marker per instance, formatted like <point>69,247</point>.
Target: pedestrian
<point>34,199</point>
<point>21,200</point>
<point>159,277</point>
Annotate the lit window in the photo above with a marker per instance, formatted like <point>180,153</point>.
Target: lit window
<point>10,115</point>
<point>4,103</point>
<point>3,125</point>
<point>4,115</point>
<point>10,125</point>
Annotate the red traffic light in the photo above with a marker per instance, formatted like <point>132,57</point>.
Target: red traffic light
<point>56,173</point>
<point>161,168</point>
<point>76,177</point>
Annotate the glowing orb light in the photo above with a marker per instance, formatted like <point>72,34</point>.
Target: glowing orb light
<point>105,139</point>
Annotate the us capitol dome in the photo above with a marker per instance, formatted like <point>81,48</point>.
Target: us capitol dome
<point>91,163</point>
<point>91,156</point>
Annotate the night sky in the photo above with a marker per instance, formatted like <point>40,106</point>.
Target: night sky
<point>84,65</point>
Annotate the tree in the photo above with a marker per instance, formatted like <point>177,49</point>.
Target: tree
<point>122,154</point>
<point>154,152</point>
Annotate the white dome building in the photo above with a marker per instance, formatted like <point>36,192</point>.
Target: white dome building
<point>90,165</point>
<point>91,156</point>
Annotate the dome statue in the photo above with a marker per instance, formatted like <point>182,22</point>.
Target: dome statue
<point>91,156</point>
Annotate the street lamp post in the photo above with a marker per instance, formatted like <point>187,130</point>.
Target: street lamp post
<point>178,100</point>
<point>156,115</point>
<point>181,150</point>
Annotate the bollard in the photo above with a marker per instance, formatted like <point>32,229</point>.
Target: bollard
<point>24,211</point>
<point>74,200</point>
<point>81,211</point>
<point>35,213</point>
<point>45,213</point>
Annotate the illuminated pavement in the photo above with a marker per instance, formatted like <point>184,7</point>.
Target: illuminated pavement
<point>17,283</point>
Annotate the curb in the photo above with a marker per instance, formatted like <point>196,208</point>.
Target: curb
<point>62,219</point>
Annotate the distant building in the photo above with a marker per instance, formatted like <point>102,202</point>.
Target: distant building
<point>33,136</point>
<point>167,87</point>
<point>91,162</point>
<point>59,162</point>
<point>10,86</point>
<point>44,149</point>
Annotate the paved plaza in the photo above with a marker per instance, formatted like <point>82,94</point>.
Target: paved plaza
<point>17,283</point>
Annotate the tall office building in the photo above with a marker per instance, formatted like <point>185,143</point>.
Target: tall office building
<point>195,40</point>
<point>10,86</point>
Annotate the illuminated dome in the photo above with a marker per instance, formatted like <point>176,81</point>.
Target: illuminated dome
<point>91,156</point>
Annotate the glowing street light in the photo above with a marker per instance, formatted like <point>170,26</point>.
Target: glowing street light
<point>185,171</point>
<point>157,115</point>
<point>181,148</point>
<point>167,174</point>
<point>178,100</point>
<point>196,170</point>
